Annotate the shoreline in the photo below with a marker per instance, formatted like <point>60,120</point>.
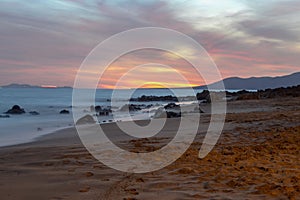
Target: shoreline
<point>40,137</point>
<point>256,157</point>
<point>204,96</point>
<point>252,107</point>
<point>41,140</point>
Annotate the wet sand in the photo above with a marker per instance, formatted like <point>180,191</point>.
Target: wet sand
<point>256,157</point>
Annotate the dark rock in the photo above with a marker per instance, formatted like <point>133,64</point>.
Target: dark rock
<point>15,110</point>
<point>98,108</point>
<point>204,95</point>
<point>4,116</point>
<point>130,107</point>
<point>280,92</point>
<point>64,112</point>
<point>104,112</point>
<point>173,114</point>
<point>207,96</point>
<point>172,106</point>
<point>87,119</point>
<point>149,106</point>
<point>145,98</point>
<point>34,113</point>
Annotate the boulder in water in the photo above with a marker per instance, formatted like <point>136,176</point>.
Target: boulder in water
<point>98,108</point>
<point>64,112</point>
<point>15,110</point>
<point>4,116</point>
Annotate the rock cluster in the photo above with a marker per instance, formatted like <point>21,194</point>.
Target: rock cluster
<point>294,91</point>
<point>171,110</point>
<point>100,111</point>
<point>172,106</point>
<point>131,107</point>
<point>145,98</point>
<point>104,112</point>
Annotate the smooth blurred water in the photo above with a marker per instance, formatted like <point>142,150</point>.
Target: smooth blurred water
<point>25,127</point>
<point>49,102</point>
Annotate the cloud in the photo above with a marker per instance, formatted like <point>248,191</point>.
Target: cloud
<point>267,29</point>
<point>245,38</point>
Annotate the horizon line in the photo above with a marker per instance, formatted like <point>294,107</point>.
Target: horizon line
<point>50,86</point>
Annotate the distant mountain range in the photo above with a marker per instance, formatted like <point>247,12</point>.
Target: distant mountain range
<point>233,83</point>
<point>16,85</point>
<point>257,83</point>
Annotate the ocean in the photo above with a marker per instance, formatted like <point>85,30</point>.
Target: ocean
<point>50,101</point>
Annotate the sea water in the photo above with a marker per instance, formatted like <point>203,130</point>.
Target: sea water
<point>50,101</point>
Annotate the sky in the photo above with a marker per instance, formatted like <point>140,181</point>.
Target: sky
<point>45,42</point>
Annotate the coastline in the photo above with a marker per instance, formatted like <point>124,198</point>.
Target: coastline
<point>61,131</point>
<point>256,151</point>
<point>50,121</point>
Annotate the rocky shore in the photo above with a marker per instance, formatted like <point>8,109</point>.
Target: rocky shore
<point>247,95</point>
<point>168,106</point>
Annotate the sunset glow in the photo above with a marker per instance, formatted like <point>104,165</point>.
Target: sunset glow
<point>244,39</point>
<point>48,86</point>
<point>160,70</point>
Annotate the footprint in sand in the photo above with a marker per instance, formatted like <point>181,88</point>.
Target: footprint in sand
<point>132,191</point>
<point>89,174</point>
<point>85,189</point>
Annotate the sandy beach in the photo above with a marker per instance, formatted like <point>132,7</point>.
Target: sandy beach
<point>149,100</point>
<point>256,157</point>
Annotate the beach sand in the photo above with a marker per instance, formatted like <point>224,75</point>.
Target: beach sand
<point>256,157</point>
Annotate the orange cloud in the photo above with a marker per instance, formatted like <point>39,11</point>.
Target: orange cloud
<point>150,69</point>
